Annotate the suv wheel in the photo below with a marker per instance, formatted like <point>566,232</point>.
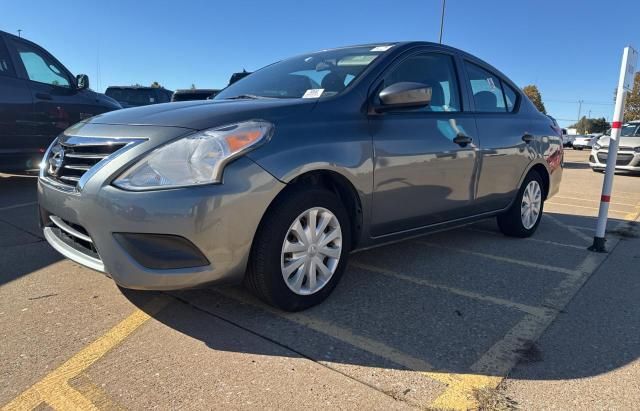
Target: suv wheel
<point>300,250</point>
<point>523,218</point>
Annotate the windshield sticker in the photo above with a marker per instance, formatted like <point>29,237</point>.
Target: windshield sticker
<point>313,93</point>
<point>492,85</point>
<point>381,48</point>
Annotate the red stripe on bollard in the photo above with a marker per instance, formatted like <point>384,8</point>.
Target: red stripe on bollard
<point>605,199</point>
<point>616,124</point>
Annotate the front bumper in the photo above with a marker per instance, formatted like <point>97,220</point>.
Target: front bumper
<point>218,220</point>
<point>626,160</point>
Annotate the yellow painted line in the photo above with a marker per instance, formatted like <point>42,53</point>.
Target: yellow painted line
<point>579,206</point>
<point>55,390</point>
<point>501,258</point>
<point>493,366</point>
<point>469,294</point>
<point>593,200</point>
<point>535,240</point>
<point>343,334</point>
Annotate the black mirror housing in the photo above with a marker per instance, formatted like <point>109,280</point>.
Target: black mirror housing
<point>404,95</point>
<point>82,81</point>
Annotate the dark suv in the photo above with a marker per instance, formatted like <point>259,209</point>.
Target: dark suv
<point>39,98</point>
<point>135,96</point>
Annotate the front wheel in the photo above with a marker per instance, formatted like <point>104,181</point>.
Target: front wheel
<point>300,250</point>
<point>523,218</point>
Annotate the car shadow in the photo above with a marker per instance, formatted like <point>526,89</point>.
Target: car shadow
<point>435,309</point>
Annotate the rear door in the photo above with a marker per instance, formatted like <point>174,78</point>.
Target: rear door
<point>421,175</point>
<point>16,107</point>
<point>502,129</point>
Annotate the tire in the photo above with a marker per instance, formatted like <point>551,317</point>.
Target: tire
<point>513,222</point>
<point>268,261</point>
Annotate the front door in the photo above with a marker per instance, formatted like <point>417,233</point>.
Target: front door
<point>421,176</point>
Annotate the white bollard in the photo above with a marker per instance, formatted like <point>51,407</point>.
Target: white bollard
<point>625,84</point>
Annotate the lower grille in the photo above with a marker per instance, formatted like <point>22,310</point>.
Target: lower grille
<point>74,236</point>
<point>622,159</point>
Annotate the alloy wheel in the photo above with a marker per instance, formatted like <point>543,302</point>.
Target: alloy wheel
<point>531,204</point>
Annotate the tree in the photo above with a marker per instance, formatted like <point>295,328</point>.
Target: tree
<point>534,95</point>
<point>591,125</point>
<point>632,107</point>
<point>155,84</point>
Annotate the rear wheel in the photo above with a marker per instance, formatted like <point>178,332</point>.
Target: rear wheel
<point>300,250</point>
<point>523,218</point>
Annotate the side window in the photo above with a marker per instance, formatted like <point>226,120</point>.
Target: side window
<point>511,97</point>
<point>6,68</point>
<point>40,67</point>
<point>487,90</point>
<point>437,71</point>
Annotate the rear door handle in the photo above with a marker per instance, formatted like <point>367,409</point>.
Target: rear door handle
<point>43,96</point>
<point>462,140</point>
<point>527,138</point>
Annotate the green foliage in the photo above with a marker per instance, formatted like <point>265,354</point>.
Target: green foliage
<point>155,84</point>
<point>632,107</point>
<point>591,125</point>
<point>534,95</point>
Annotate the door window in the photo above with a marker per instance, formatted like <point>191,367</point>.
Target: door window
<point>487,90</point>
<point>6,68</point>
<point>435,70</point>
<point>511,97</point>
<point>40,67</point>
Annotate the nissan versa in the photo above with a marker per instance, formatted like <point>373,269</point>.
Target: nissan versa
<point>285,172</point>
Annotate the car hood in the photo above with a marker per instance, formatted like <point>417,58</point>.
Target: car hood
<point>199,115</point>
<point>632,142</point>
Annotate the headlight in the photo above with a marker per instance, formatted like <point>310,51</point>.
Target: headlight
<point>597,146</point>
<point>196,159</point>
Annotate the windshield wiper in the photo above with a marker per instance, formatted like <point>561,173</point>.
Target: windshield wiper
<point>245,97</point>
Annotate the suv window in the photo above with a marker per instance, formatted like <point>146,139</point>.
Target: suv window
<point>6,68</point>
<point>487,90</point>
<point>40,67</point>
<point>437,71</point>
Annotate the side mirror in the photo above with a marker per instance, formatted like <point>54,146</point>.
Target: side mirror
<point>404,95</point>
<point>82,81</point>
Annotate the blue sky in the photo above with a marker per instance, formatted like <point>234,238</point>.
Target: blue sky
<point>570,49</point>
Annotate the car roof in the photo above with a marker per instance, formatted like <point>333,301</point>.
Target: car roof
<point>196,90</point>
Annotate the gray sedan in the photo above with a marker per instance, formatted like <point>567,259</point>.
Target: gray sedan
<point>628,150</point>
<point>285,172</point>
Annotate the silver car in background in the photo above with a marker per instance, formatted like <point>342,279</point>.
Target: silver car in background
<point>628,150</point>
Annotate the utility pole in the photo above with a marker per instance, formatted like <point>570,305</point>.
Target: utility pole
<point>19,32</point>
<point>444,2</point>
<point>580,108</point>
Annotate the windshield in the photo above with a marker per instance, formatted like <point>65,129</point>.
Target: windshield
<point>630,130</point>
<point>325,73</point>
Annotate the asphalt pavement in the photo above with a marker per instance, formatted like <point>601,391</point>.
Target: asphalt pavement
<point>457,320</point>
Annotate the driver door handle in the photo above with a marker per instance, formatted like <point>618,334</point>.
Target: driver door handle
<point>43,96</point>
<point>462,140</point>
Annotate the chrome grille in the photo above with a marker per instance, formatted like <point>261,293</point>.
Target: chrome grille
<point>71,158</point>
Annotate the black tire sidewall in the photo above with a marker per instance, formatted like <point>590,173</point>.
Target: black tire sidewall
<point>511,222</point>
<point>266,254</point>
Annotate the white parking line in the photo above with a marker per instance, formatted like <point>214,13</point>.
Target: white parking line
<point>571,228</point>
<point>343,334</point>
<point>11,207</point>
<point>585,207</point>
<point>501,258</point>
<point>529,309</point>
<point>536,240</point>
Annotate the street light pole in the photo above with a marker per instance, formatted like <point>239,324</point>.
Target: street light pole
<point>444,2</point>
<point>19,32</point>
